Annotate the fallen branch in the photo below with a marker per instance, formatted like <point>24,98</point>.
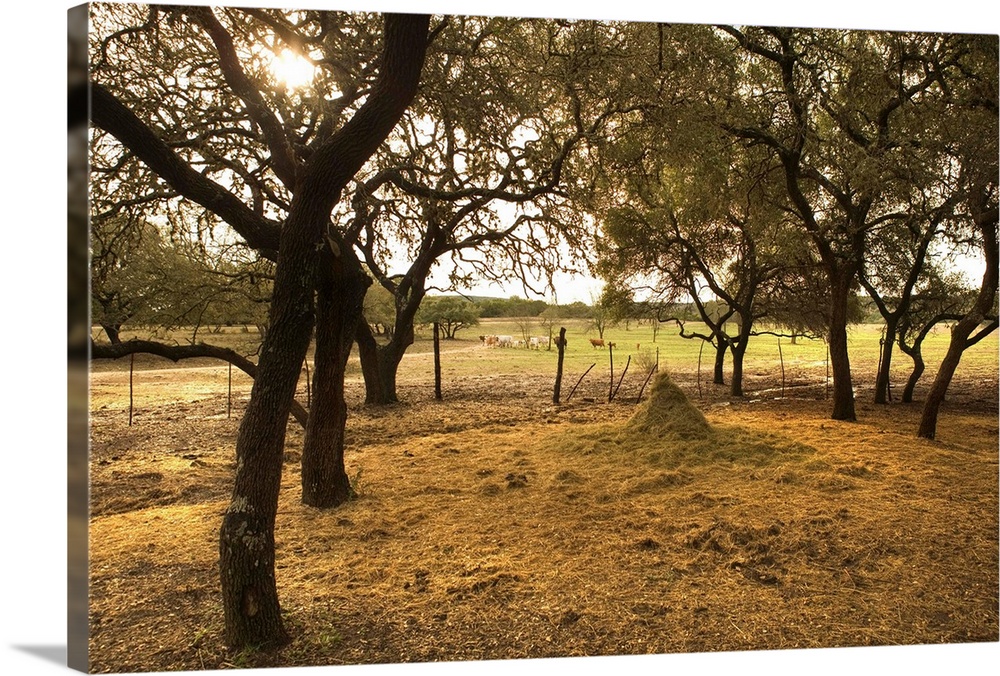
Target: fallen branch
<point>177,352</point>
<point>579,381</point>
<point>643,388</point>
<point>619,386</point>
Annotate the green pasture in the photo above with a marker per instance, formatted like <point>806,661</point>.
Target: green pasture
<point>804,361</point>
<point>765,354</point>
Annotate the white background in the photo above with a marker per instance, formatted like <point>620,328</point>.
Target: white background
<point>32,163</point>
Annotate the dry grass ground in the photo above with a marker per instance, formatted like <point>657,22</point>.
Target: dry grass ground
<point>495,525</point>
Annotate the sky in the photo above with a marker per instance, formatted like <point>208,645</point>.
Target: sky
<point>34,276</point>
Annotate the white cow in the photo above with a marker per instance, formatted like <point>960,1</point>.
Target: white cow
<point>537,342</point>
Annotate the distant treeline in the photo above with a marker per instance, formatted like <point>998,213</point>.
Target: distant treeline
<point>864,310</point>
<point>515,306</point>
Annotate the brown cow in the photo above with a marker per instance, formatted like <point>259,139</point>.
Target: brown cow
<point>597,342</point>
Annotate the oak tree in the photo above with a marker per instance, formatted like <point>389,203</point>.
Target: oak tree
<point>278,192</point>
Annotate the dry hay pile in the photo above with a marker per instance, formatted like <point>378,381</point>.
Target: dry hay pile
<point>669,413</point>
<point>668,430</point>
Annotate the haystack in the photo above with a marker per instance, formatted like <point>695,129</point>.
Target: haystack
<point>669,413</point>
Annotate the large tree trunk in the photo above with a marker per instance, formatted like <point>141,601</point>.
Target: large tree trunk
<point>380,363</point>
<point>739,350</point>
<point>843,387</point>
<point>882,378</point>
<point>915,352</point>
<point>368,352</point>
<point>935,397</point>
<point>736,384</point>
<point>249,592</point>
<point>918,370</point>
<point>246,538</point>
<point>963,329</point>
<point>113,332</point>
<point>340,299</point>
<point>719,376</point>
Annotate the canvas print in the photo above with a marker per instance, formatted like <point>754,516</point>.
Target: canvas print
<point>403,337</point>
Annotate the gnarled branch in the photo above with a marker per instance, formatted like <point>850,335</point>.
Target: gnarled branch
<point>177,352</point>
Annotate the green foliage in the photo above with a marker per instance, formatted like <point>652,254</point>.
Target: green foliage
<point>575,310</point>
<point>514,306</point>
<point>142,277</point>
<point>380,310</point>
<point>618,303</point>
<point>602,315</point>
<point>452,313</point>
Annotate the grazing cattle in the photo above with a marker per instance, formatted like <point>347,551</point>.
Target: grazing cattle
<point>537,342</point>
<point>482,339</point>
<point>505,341</point>
<point>597,342</point>
<point>519,342</point>
<point>491,341</point>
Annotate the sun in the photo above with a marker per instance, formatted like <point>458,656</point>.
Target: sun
<point>292,70</point>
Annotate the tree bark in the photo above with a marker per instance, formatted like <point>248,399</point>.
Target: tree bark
<point>246,540</point>
<point>918,370</point>
<point>739,349</point>
<point>437,361</point>
<point>840,361</point>
<point>935,397</point>
<point>380,363</point>
<point>113,332</point>
<point>719,377</point>
<point>340,300</point>
<point>736,383</point>
<point>963,329</point>
<point>882,378</point>
<point>369,353</point>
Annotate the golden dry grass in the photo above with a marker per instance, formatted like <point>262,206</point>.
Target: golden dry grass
<point>495,525</point>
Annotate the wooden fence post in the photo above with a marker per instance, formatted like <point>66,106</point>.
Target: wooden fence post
<point>561,346</point>
<point>437,361</point>
<point>781,359</point>
<point>700,349</point>
<point>308,385</point>
<point>826,387</point>
<point>611,361</point>
<point>131,370</point>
